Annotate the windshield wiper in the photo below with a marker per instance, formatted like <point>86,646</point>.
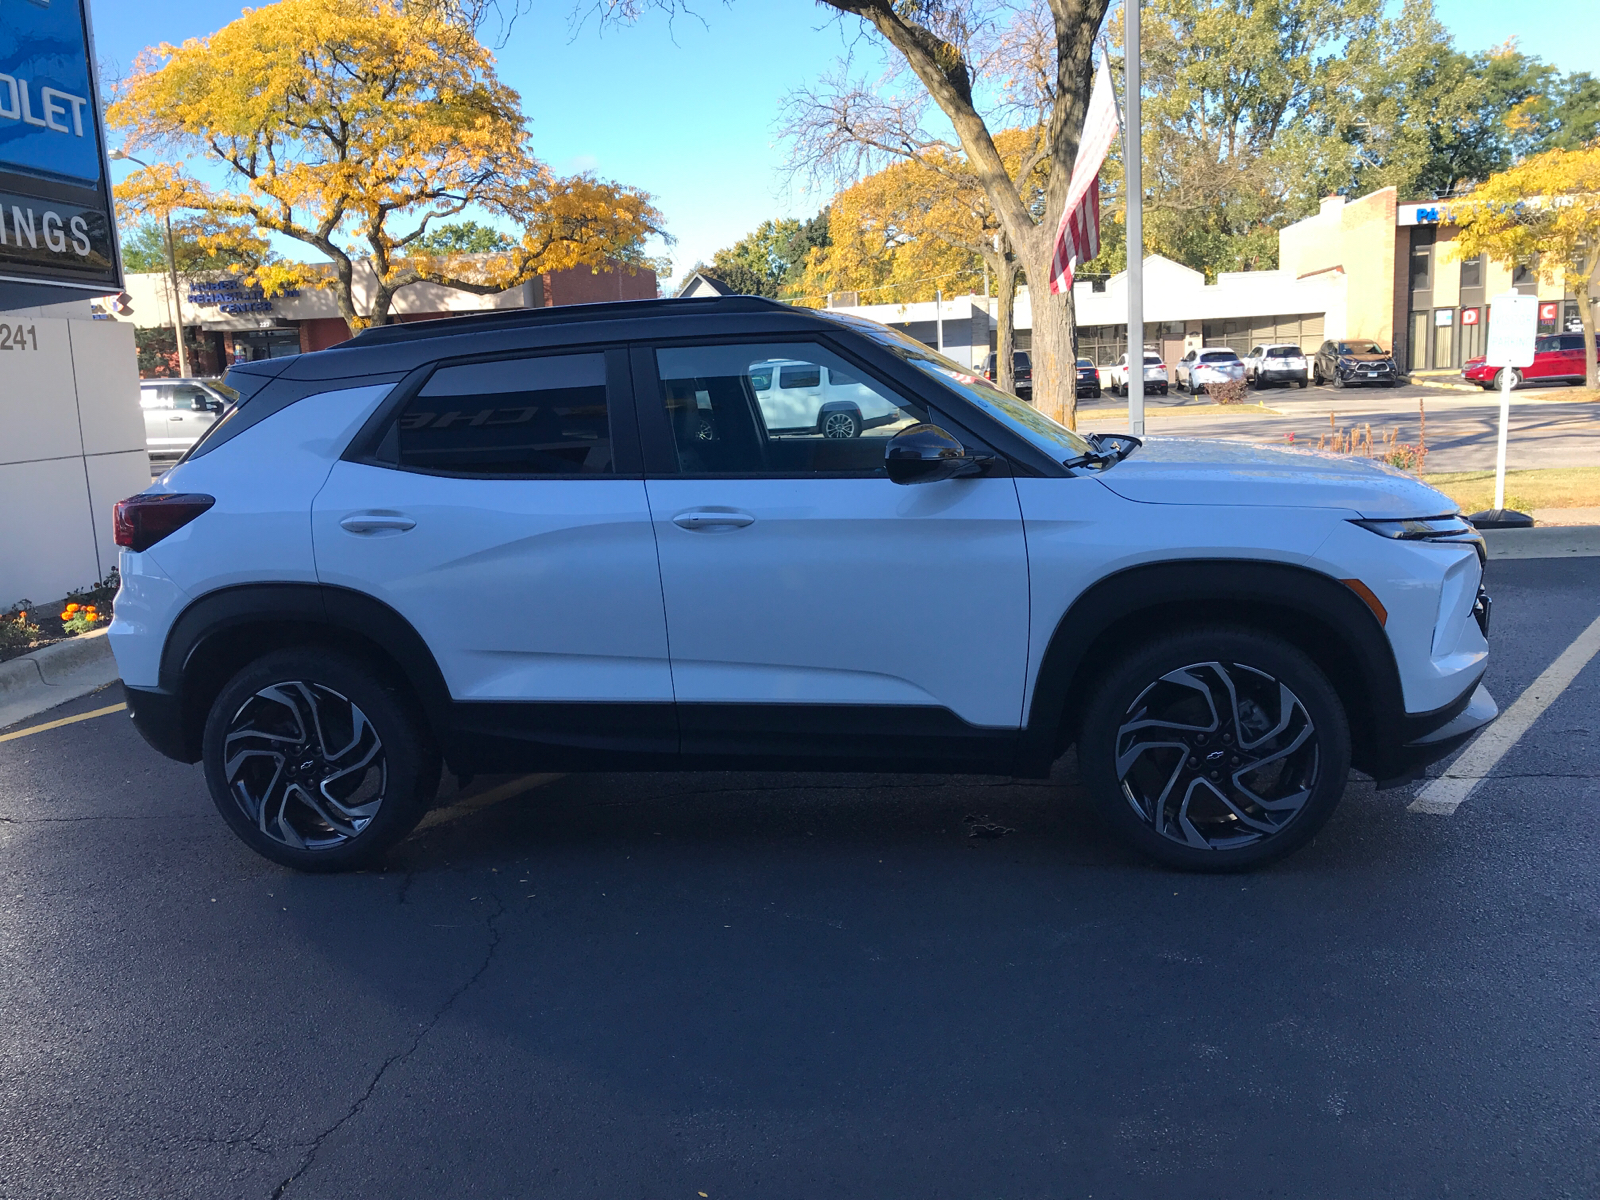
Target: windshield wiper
<point>1109,450</point>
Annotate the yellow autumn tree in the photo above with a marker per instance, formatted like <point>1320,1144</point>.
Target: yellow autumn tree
<point>925,223</point>
<point>898,235</point>
<point>1544,211</point>
<point>352,126</point>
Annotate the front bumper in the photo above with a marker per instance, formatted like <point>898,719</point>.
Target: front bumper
<point>1384,374</point>
<point>1408,762</point>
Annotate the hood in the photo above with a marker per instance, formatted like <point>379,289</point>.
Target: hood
<point>1215,472</point>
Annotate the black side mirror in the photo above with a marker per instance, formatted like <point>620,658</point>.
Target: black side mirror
<point>925,453</point>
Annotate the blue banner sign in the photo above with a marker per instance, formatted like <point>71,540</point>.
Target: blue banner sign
<point>47,118</point>
<point>56,217</point>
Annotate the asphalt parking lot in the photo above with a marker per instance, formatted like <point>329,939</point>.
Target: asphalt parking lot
<point>1550,426</point>
<point>801,986</point>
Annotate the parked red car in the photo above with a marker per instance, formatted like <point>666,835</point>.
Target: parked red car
<point>1557,358</point>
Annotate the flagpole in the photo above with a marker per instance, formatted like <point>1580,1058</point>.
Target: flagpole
<point>1132,158</point>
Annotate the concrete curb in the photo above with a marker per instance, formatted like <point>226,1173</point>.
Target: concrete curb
<point>1550,541</point>
<point>53,675</point>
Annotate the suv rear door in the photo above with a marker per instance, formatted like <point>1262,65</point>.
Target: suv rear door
<point>500,508</point>
<point>816,610</point>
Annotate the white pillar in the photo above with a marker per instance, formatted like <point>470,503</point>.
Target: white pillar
<point>1132,157</point>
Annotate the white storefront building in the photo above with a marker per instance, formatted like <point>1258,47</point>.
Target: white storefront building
<point>1181,312</point>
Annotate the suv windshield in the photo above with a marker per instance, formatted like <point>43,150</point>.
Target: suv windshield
<point>1055,440</point>
<point>1360,348</point>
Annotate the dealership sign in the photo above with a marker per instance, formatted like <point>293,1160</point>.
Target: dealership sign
<point>57,224</point>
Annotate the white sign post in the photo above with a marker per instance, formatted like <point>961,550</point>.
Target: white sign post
<point>1513,325</point>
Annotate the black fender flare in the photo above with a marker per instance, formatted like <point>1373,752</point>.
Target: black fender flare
<point>221,630</point>
<point>1319,614</point>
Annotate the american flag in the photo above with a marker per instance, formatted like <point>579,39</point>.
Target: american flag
<point>1078,238</point>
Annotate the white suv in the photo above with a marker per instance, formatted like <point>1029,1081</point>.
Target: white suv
<point>572,539</point>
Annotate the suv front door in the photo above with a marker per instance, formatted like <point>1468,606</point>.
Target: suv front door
<point>502,512</point>
<point>816,610</point>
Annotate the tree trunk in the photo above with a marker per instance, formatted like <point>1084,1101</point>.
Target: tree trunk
<point>1055,362</point>
<point>1580,289</point>
<point>1003,267</point>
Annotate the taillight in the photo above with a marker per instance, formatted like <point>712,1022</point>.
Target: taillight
<point>139,522</point>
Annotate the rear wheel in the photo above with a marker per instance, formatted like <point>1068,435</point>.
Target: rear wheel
<point>315,762</point>
<point>841,423</point>
<point>1216,749</point>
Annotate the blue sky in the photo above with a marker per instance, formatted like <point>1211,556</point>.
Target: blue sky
<point>687,111</point>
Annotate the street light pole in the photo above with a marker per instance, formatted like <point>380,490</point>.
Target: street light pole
<point>176,304</point>
<point>1132,157</point>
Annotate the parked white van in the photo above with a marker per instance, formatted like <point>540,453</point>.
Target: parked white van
<point>803,397</point>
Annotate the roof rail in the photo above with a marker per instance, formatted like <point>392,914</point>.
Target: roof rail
<point>561,314</point>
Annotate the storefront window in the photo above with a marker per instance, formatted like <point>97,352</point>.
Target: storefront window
<point>1444,340</point>
<point>1417,343</point>
<point>1421,268</point>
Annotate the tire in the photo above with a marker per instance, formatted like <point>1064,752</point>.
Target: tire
<point>840,423</point>
<point>1338,379</point>
<point>1516,378</point>
<point>1179,682</point>
<point>1299,383</point>
<point>1316,376</point>
<point>369,772</point>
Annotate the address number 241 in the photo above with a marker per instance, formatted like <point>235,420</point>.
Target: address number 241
<point>19,337</point>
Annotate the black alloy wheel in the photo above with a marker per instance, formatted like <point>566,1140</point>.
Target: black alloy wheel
<point>1216,749</point>
<point>315,762</point>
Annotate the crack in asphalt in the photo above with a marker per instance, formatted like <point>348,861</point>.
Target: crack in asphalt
<point>315,1146</point>
<point>234,1141</point>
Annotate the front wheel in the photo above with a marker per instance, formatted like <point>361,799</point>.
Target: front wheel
<point>315,762</point>
<point>1516,378</point>
<point>1215,749</point>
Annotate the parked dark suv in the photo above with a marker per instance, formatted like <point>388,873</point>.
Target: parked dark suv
<point>1357,361</point>
<point>1021,368</point>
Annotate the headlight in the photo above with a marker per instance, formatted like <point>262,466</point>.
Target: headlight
<point>1451,529</point>
<point>1347,362</point>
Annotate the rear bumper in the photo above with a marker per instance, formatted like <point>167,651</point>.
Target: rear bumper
<point>1407,762</point>
<point>158,716</point>
<point>1282,374</point>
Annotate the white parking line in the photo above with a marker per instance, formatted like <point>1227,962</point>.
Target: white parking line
<point>1444,795</point>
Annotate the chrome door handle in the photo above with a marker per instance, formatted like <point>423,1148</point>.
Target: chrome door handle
<point>713,520</point>
<point>373,522</point>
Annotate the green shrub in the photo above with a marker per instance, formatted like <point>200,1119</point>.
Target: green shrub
<point>16,631</point>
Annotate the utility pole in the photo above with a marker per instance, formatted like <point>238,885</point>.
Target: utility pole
<point>1132,157</point>
<point>172,273</point>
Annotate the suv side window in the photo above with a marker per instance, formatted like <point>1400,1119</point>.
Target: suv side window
<point>776,409</point>
<point>544,415</point>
